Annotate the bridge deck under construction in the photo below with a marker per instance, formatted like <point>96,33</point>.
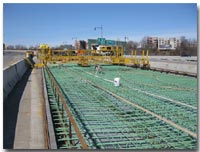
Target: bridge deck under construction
<point>149,110</point>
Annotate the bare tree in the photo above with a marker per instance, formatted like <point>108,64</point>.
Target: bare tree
<point>10,47</point>
<point>188,47</point>
<point>20,47</point>
<point>143,42</point>
<point>131,45</point>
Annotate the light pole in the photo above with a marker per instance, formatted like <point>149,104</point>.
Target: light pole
<point>126,38</point>
<point>64,44</point>
<point>101,30</point>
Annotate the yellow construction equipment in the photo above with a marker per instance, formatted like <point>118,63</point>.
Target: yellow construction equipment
<point>104,54</point>
<point>29,54</point>
<point>144,61</point>
<point>28,58</point>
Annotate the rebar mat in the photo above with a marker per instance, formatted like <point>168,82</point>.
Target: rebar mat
<point>108,123</point>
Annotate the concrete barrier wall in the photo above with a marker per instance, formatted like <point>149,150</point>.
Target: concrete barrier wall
<point>179,67</point>
<point>169,58</point>
<point>11,75</point>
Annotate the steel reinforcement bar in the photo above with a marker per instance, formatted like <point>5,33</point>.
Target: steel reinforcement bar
<point>181,113</point>
<point>60,115</point>
<point>147,111</point>
<point>107,122</point>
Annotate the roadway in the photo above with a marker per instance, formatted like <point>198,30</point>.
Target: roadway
<point>12,56</point>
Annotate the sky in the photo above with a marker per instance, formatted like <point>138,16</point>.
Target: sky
<point>54,24</point>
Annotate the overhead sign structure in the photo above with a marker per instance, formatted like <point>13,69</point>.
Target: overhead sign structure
<point>101,41</point>
<point>110,42</point>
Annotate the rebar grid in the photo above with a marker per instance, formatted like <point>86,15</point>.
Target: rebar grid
<point>67,135</point>
<point>60,121</point>
<point>182,115</point>
<point>110,123</point>
<point>177,87</point>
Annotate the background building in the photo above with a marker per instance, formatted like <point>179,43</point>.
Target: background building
<point>152,42</point>
<point>161,43</point>
<point>80,45</point>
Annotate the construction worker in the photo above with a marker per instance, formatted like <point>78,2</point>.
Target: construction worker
<point>98,68</point>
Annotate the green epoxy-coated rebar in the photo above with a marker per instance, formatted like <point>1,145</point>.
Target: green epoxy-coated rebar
<point>107,122</point>
<point>183,116</point>
<point>60,121</point>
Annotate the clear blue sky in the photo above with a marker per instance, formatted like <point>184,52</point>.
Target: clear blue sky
<point>57,23</point>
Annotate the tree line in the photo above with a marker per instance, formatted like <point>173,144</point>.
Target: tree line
<point>21,47</point>
<point>188,47</point>
<point>35,47</point>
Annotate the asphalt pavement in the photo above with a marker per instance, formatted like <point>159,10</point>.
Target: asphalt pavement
<point>11,58</point>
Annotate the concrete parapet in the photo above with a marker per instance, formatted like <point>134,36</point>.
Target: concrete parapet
<point>11,75</point>
<point>179,67</point>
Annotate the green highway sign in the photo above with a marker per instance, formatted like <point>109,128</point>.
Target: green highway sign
<point>101,41</point>
<point>110,42</point>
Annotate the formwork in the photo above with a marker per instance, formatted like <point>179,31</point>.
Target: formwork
<point>149,110</point>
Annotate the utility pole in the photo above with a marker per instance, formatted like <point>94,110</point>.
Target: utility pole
<point>101,30</point>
